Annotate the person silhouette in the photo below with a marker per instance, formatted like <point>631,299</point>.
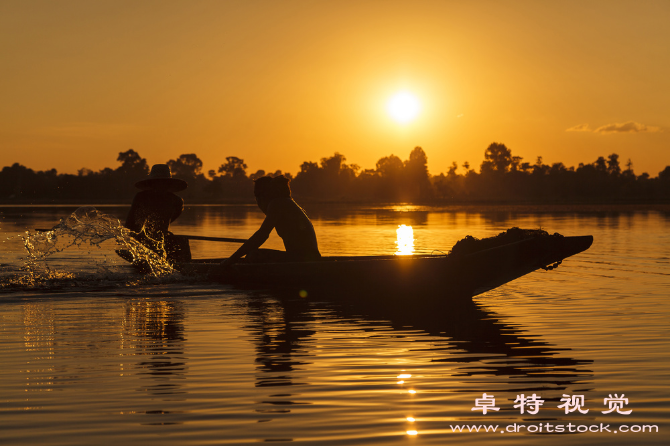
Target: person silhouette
<point>152,211</point>
<point>282,213</point>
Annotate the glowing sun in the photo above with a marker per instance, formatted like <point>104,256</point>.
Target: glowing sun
<point>403,107</point>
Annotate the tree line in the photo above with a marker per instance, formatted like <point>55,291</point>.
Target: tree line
<point>502,178</point>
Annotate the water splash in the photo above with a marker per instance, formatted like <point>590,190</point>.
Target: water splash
<point>85,227</point>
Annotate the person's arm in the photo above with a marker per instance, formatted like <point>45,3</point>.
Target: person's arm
<point>254,242</point>
<point>178,208</point>
<point>131,219</point>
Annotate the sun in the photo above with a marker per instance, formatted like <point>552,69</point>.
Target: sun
<point>403,107</point>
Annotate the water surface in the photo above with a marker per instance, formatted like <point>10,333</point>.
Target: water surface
<point>96,355</point>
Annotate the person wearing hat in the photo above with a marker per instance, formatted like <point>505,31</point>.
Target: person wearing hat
<point>152,211</point>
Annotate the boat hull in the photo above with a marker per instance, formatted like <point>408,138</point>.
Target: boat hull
<point>396,277</point>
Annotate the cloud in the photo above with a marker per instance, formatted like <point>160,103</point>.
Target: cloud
<point>579,128</point>
<point>627,127</point>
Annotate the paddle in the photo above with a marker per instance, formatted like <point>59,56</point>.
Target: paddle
<point>214,239</point>
<point>190,237</point>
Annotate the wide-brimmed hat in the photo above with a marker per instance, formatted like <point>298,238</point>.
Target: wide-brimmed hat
<point>160,177</point>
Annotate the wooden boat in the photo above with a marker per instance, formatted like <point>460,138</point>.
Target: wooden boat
<point>461,273</point>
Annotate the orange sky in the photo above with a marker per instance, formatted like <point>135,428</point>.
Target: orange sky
<point>281,82</point>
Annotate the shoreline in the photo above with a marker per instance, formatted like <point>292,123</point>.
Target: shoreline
<point>408,207</point>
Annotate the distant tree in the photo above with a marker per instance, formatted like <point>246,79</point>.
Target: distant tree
<point>497,157</point>
<point>259,173</point>
<point>279,173</point>
<point>366,185</point>
<point>187,166</point>
<point>600,164</point>
<point>629,165</point>
<point>390,167</point>
<point>417,177</point>
<point>15,180</point>
<point>664,175</point>
<point>336,175</point>
<point>494,183</point>
<point>503,177</point>
<point>613,167</point>
<point>331,178</point>
<point>234,167</point>
<point>449,186</point>
<point>308,167</point>
<point>132,164</point>
<point>539,168</point>
<point>390,186</point>
<point>628,175</point>
<point>664,183</point>
<point>558,168</point>
<point>333,164</point>
<point>452,170</point>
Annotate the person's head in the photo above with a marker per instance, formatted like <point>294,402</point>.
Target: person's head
<point>160,178</point>
<point>267,189</point>
<point>280,186</point>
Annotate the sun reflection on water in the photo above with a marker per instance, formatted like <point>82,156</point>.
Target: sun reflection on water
<point>405,240</point>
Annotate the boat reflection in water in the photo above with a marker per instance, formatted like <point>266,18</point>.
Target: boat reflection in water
<point>450,352</point>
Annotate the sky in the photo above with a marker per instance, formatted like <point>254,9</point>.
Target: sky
<point>277,83</point>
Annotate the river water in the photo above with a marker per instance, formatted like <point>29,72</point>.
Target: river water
<point>93,354</point>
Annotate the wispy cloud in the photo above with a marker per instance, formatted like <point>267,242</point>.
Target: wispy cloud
<point>625,127</point>
<point>579,128</point>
